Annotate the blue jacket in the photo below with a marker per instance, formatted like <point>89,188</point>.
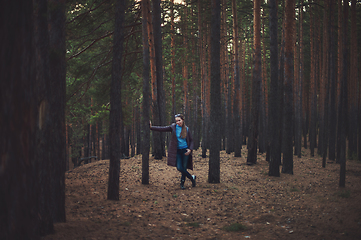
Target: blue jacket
<point>172,148</point>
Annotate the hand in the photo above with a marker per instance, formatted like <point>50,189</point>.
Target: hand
<point>150,124</point>
<point>188,152</point>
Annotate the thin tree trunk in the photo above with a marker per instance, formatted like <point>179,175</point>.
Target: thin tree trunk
<point>298,87</point>
<point>332,109</point>
<point>172,46</point>
<point>185,63</point>
<point>115,131</point>
<point>215,136</point>
<point>159,74</point>
<point>274,110</point>
<point>157,149</point>
<point>256,85</point>
<point>263,100</point>
<point>313,90</point>
<point>195,79</point>
<point>352,126</point>
<point>287,166</point>
<point>146,70</point>
<point>324,87</point>
<point>343,99</point>
<point>237,87</point>
<point>340,66</point>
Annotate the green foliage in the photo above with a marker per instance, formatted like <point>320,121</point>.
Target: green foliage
<point>344,194</point>
<point>193,224</point>
<point>89,31</point>
<point>235,227</point>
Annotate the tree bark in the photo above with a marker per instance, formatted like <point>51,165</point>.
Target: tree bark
<point>274,110</point>
<point>313,89</point>
<point>172,46</point>
<point>256,85</point>
<point>215,136</point>
<point>57,104</point>
<point>343,99</point>
<point>115,128</point>
<point>237,131</point>
<point>19,122</point>
<point>159,149</point>
<point>332,109</point>
<point>352,106</point>
<point>146,70</point>
<point>287,166</point>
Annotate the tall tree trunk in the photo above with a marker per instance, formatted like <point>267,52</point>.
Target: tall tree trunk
<point>146,70</point>
<point>195,79</point>
<point>185,63</point>
<point>42,45</point>
<point>202,57</point>
<point>256,85</point>
<point>352,126</point>
<point>160,150</point>
<point>172,46</point>
<point>342,118</point>
<point>305,91</point>
<point>274,110</point>
<point>263,99</point>
<point>224,71</point>
<point>237,87</point>
<point>287,166</point>
<point>115,131</point>
<point>298,87</point>
<point>58,82</point>
<point>324,88</point>
<point>21,119</point>
<point>215,136</point>
<point>340,66</point>
<point>313,88</point>
<point>327,72</point>
<point>332,109</point>
<point>157,149</point>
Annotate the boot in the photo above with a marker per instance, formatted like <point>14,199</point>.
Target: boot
<point>182,185</point>
<point>194,180</point>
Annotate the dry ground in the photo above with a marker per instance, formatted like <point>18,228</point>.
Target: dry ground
<point>247,204</point>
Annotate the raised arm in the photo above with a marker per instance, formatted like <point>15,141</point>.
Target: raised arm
<point>160,128</point>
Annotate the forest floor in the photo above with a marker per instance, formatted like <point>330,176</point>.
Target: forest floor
<point>247,204</point>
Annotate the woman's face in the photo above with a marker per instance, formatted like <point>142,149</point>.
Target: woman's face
<point>179,121</point>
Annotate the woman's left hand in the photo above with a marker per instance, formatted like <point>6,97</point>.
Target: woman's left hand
<point>188,152</point>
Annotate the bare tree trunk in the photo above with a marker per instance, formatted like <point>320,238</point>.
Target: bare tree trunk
<point>237,132</point>
<point>287,166</point>
<point>146,70</point>
<point>215,136</point>
<point>332,109</point>
<point>342,131</point>
<point>159,75</point>
<point>274,110</point>
<point>340,66</point>
<point>256,85</point>
<point>172,45</point>
<point>185,63</point>
<point>298,86</point>
<point>352,126</point>
<point>58,72</point>
<point>313,89</point>
<point>43,134</point>
<point>115,128</point>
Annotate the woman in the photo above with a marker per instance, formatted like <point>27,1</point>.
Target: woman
<point>180,148</point>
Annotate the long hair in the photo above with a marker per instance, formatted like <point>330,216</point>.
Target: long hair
<point>184,127</point>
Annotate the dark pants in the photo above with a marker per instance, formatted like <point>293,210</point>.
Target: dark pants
<point>182,161</point>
